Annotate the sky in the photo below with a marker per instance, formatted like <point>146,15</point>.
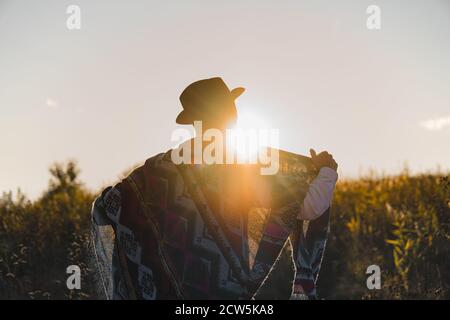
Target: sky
<point>107,94</point>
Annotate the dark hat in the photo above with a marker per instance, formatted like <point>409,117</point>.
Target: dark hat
<point>208,99</point>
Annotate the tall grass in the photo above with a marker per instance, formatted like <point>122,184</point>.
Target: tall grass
<point>400,223</point>
<point>39,239</point>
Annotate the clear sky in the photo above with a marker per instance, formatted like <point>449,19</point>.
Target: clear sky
<point>107,94</point>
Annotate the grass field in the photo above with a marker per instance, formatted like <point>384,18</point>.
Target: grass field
<point>400,223</point>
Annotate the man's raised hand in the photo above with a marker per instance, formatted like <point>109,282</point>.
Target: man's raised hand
<point>323,159</point>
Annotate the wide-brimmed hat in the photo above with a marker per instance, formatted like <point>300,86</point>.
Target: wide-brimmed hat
<point>208,99</point>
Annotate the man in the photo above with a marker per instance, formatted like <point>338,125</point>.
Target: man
<point>188,231</point>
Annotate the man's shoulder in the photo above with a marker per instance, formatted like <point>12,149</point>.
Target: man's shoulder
<point>138,173</point>
<point>153,166</point>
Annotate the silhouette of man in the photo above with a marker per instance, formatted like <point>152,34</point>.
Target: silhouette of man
<point>184,231</point>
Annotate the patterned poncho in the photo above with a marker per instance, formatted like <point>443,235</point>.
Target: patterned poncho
<point>205,231</point>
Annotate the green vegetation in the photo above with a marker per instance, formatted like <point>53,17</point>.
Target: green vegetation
<point>400,223</point>
<point>39,239</point>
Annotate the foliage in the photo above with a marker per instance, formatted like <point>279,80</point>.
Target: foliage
<point>39,239</point>
<point>400,223</point>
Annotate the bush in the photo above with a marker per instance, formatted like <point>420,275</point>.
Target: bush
<point>39,239</point>
<point>399,223</point>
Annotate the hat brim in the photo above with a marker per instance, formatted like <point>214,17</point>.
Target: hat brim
<point>236,92</point>
<point>185,117</point>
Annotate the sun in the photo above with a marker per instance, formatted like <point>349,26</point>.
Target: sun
<point>249,120</point>
<point>247,137</point>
